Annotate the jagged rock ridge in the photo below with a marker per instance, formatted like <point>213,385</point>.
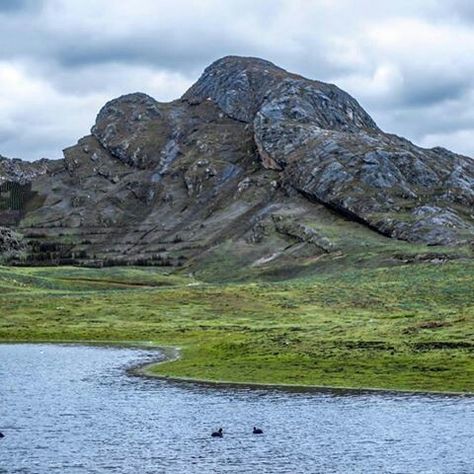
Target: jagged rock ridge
<point>252,155</point>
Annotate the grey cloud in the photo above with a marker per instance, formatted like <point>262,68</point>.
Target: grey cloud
<point>74,50</point>
<point>79,59</point>
<point>166,46</point>
<point>418,123</point>
<point>158,51</point>
<point>464,9</point>
<point>15,7</point>
<point>33,146</point>
<point>425,91</point>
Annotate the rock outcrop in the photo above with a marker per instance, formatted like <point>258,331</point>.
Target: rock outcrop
<point>12,245</point>
<point>21,172</point>
<point>331,150</point>
<point>280,166</point>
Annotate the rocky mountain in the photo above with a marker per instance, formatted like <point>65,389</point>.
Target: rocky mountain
<point>252,165</point>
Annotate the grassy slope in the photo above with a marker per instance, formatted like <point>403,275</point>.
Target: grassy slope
<point>405,327</point>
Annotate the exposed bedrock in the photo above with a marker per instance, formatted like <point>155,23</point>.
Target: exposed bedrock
<point>251,154</point>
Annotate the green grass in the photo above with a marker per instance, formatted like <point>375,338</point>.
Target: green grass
<point>408,327</point>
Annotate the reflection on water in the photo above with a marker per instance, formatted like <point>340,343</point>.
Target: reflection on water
<point>73,409</point>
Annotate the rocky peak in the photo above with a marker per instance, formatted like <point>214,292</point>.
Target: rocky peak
<point>245,87</point>
<point>123,122</point>
<point>274,102</point>
<point>135,107</point>
<point>237,85</point>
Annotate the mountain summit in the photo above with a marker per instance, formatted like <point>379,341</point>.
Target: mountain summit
<point>252,166</point>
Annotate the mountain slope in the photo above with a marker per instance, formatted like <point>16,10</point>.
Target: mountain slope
<point>253,166</point>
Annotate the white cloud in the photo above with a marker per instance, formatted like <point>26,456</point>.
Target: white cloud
<point>459,140</point>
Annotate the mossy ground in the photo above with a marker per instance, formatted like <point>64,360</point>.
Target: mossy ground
<point>404,327</point>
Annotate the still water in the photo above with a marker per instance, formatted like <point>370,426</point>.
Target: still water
<point>74,409</point>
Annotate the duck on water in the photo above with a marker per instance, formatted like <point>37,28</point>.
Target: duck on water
<point>218,434</point>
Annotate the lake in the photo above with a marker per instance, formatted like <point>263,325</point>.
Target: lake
<point>76,409</point>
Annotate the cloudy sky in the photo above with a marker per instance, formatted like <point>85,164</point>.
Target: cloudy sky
<point>410,63</point>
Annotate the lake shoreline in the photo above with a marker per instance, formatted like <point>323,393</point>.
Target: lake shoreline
<point>392,329</point>
<point>172,354</point>
<point>146,370</point>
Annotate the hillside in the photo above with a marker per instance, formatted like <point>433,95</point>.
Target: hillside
<point>253,170</point>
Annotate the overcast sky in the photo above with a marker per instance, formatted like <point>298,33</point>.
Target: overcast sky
<point>410,63</point>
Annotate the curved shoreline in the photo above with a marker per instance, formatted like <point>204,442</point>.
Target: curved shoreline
<point>145,370</point>
<point>172,353</point>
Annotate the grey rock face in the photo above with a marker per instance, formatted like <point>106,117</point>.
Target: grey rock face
<point>121,125</point>
<point>242,87</point>
<point>333,152</point>
<point>250,154</point>
<point>22,172</point>
<point>237,85</point>
<point>327,147</point>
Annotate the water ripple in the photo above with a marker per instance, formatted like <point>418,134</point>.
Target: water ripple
<point>73,409</point>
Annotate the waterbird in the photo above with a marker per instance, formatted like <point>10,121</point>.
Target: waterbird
<point>2,435</point>
<point>218,434</point>
<point>257,430</point>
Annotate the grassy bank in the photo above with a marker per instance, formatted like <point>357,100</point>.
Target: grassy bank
<point>406,327</point>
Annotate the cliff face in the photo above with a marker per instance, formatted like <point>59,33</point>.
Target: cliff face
<point>252,161</point>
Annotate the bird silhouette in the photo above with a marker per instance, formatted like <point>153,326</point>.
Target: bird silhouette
<point>218,434</point>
